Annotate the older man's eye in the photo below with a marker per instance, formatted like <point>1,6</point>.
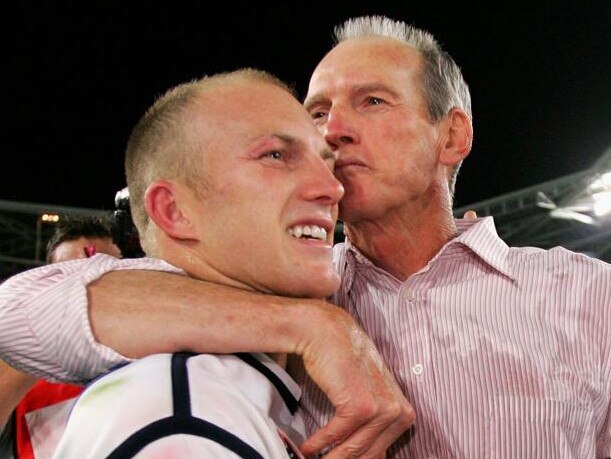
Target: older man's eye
<point>317,115</point>
<point>374,100</point>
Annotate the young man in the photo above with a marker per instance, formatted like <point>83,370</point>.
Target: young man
<point>200,165</point>
<point>505,352</point>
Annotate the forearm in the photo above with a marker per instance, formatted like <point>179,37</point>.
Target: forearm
<point>144,312</point>
<point>44,324</point>
<point>132,309</point>
<point>13,387</point>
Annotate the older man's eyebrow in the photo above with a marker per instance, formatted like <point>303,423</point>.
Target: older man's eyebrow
<point>374,87</point>
<point>314,100</point>
<point>359,89</point>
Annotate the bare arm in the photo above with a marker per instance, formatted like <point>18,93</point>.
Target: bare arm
<point>178,313</point>
<point>13,386</point>
<point>139,313</point>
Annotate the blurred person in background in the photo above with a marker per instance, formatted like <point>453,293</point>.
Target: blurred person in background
<point>33,411</point>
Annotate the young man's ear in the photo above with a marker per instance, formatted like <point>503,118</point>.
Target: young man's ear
<point>163,203</point>
<point>459,137</point>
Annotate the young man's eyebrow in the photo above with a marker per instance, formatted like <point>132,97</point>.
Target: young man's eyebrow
<point>289,139</point>
<point>262,140</point>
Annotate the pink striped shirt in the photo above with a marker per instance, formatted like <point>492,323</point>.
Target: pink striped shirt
<point>503,352</point>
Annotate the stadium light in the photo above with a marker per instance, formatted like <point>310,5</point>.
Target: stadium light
<point>49,218</point>
<point>602,203</point>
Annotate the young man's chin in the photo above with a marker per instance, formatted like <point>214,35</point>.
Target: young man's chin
<point>321,287</point>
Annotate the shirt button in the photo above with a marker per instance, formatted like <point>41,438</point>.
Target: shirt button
<point>418,369</point>
<point>408,294</point>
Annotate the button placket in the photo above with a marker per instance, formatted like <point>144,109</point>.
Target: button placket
<point>408,294</point>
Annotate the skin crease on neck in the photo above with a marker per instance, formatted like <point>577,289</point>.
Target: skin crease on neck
<point>365,97</point>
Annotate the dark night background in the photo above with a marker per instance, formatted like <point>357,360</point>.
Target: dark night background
<point>76,79</point>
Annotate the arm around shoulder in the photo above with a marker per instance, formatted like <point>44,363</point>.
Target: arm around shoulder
<point>44,319</point>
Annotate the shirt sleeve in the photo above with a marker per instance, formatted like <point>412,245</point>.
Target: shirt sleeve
<point>44,324</point>
<point>596,295</point>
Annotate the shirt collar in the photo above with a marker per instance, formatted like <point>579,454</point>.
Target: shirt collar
<point>477,234</point>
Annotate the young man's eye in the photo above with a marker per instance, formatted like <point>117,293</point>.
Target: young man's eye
<point>274,154</point>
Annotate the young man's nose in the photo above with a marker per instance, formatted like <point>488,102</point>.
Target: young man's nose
<point>321,184</point>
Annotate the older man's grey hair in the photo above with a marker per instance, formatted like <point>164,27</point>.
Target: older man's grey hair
<point>443,85</point>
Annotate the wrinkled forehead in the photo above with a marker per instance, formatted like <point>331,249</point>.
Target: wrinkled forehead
<point>363,60</point>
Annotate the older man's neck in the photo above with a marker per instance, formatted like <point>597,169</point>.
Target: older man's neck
<point>405,242</point>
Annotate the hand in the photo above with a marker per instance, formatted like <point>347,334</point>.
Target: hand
<point>470,214</point>
<point>371,412</point>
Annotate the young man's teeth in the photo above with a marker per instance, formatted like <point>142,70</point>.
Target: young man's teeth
<point>313,231</point>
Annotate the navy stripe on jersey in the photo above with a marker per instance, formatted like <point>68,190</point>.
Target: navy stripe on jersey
<point>182,422</point>
<point>181,395</point>
<point>177,424</point>
<point>285,393</point>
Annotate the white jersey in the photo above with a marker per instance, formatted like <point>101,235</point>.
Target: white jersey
<point>187,406</point>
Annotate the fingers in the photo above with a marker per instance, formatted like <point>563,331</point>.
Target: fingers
<point>470,214</point>
<point>333,433</point>
<point>372,441</point>
<point>371,411</point>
